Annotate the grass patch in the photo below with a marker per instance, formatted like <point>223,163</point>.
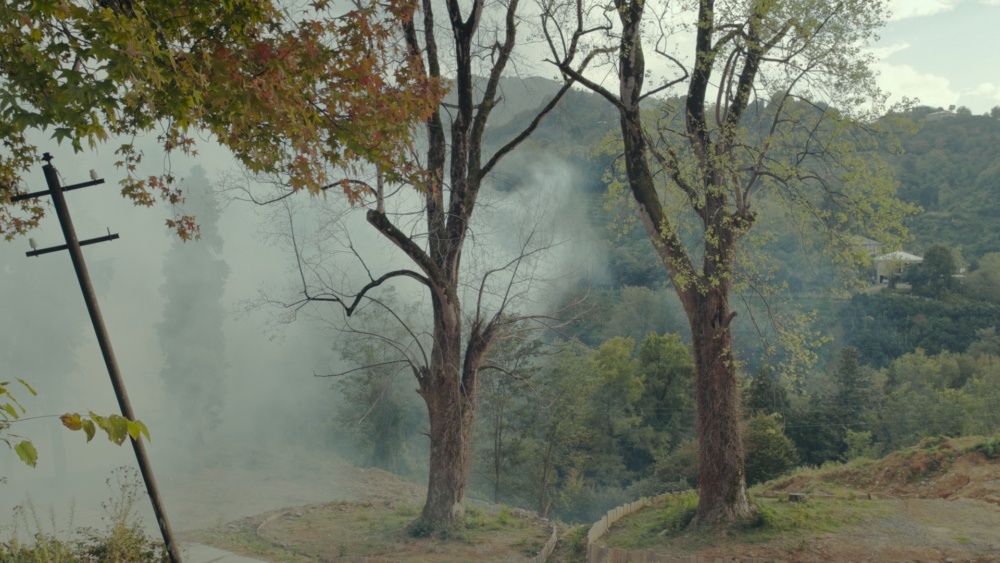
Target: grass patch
<point>238,539</point>
<point>378,529</point>
<point>668,523</point>
<point>649,526</point>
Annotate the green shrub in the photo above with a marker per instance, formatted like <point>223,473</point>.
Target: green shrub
<point>860,446</point>
<point>504,516</point>
<point>679,470</point>
<point>576,544</point>
<point>769,452</point>
<point>677,511</point>
<point>762,518</point>
<point>989,447</point>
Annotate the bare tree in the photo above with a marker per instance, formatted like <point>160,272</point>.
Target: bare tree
<point>471,303</point>
<point>779,112</point>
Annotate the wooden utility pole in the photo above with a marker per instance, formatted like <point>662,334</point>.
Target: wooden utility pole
<point>76,254</point>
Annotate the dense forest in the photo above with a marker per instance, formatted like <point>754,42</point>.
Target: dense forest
<point>601,410</point>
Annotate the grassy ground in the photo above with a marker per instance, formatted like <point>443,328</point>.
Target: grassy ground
<point>938,500</point>
<point>668,522</point>
<point>375,529</point>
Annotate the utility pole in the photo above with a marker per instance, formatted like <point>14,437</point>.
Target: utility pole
<point>76,254</point>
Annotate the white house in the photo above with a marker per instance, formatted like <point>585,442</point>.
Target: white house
<point>894,263</point>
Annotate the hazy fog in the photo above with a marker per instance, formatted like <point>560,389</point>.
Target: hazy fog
<point>275,412</point>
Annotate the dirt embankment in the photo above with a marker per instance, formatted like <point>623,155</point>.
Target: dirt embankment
<point>935,469</point>
<point>941,503</point>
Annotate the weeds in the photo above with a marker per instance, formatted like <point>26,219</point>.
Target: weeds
<point>123,539</point>
<point>576,544</point>
<point>761,519</point>
<point>504,516</point>
<point>678,512</point>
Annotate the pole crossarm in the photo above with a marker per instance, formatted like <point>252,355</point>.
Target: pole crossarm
<point>20,197</point>
<point>89,241</point>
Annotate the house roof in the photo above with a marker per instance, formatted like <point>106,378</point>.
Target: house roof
<point>899,256</point>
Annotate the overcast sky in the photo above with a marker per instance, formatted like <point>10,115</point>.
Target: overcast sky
<point>943,52</point>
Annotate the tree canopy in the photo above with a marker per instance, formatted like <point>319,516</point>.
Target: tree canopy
<point>291,91</point>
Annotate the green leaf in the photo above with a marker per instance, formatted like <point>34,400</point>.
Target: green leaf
<point>117,429</point>
<point>136,428</point>
<point>28,387</point>
<point>89,429</point>
<point>27,452</point>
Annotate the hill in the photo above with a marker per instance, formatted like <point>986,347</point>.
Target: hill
<point>951,168</point>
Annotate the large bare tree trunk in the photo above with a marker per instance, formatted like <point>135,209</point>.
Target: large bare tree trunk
<point>722,484</point>
<point>450,410</point>
<point>449,390</point>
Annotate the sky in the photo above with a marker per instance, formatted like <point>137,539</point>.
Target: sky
<point>943,52</point>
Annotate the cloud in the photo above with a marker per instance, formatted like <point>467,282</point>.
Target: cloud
<point>903,9</point>
<point>884,52</point>
<point>987,89</point>
<point>904,80</point>
<point>982,96</point>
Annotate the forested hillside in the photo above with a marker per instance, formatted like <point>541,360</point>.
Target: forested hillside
<point>949,166</point>
<point>951,169</point>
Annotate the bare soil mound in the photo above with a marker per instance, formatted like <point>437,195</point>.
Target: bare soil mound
<point>937,468</point>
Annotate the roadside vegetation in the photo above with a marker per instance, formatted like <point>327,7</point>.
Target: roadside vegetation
<point>33,538</point>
